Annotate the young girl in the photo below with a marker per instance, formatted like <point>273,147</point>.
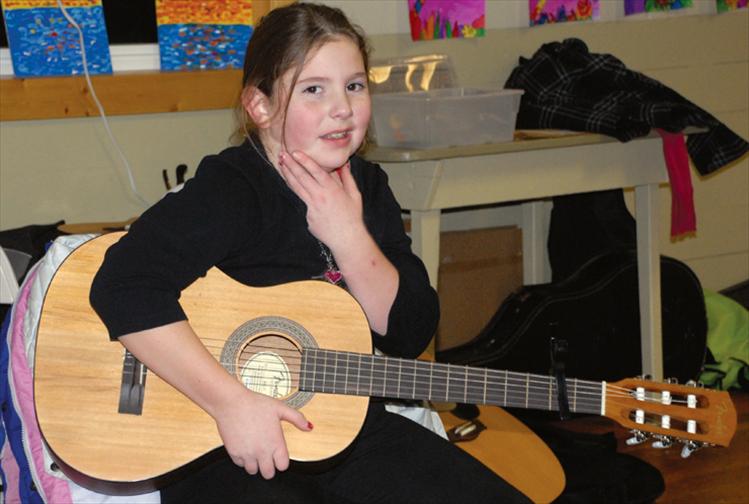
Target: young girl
<point>292,202</point>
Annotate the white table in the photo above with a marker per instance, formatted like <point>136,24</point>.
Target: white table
<point>527,171</point>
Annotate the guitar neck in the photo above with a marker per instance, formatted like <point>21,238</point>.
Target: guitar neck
<point>348,373</point>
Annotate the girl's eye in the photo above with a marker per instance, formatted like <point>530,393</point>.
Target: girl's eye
<point>312,90</point>
<point>356,86</point>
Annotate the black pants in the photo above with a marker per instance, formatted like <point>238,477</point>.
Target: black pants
<point>393,460</point>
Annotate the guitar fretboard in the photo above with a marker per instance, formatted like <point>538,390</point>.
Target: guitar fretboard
<point>347,373</point>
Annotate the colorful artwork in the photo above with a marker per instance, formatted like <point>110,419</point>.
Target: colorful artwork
<point>638,6</point>
<point>557,11</point>
<point>203,34</point>
<point>43,43</point>
<point>729,5</point>
<point>440,19</point>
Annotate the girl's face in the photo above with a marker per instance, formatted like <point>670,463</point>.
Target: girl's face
<point>328,107</point>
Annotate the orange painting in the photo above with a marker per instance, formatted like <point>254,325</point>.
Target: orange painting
<point>204,11</point>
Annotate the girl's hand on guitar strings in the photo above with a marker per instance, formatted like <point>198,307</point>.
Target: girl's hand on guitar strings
<point>251,430</point>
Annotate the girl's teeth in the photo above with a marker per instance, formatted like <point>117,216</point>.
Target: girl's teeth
<point>336,135</point>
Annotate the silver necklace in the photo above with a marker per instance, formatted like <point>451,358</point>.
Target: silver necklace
<point>331,274</point>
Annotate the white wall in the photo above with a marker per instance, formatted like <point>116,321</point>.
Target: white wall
<point>387,17</point>
<point>67,169</point>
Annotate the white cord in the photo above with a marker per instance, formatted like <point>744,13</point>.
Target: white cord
<point>125,162</point>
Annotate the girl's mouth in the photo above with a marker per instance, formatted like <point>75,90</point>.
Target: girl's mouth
<point>338,135</point>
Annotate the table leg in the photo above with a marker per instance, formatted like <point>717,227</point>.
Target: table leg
<point>649,278</point>
<point>425,234</point>
<point>534,228</point>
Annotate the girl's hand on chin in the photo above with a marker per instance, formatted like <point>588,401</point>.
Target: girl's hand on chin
<point>334,204</point>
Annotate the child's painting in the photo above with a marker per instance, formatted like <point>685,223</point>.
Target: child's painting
<point>43,43</point>
<point>445,19</point>
<point>558,11</point>
<point>730,5</point>
<point>203,34</point>
<point>638,6</point>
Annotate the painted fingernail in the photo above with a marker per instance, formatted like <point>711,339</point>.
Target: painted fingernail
<point>310,426</point>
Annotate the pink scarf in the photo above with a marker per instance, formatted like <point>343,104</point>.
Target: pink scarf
<point>683,219</point>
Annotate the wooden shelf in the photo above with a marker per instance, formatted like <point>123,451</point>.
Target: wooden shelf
<point>120,94</point>
<point>147,92</point>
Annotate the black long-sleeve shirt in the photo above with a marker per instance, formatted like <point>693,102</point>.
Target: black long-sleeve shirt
<point>238,214</point>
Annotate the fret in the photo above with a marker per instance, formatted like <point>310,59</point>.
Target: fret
<point>551,394</point>
<point>335,371</point>
<point>413,388</point>
<point>574,395</point>
<point>527,379</point>
<point>314,372</point>
<point>473,380</point>
<point>447,384</point>
<point>371,375</point>
<point>345,385</point>
<point>303,373</point>
<point>465,386</point>
<point>400,369</point>
<point>358,376</point>
<point>486,376</point>
<point>384,378</point>
<point>431,369</point>
<point>505,399</point>
<point>324,371</point>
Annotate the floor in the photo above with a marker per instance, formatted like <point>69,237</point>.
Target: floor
<point>709,475</point>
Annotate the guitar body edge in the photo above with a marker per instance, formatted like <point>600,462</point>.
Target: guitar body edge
<point>78,376</point>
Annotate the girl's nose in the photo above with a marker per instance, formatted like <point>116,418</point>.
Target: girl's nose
<point>341,107</point>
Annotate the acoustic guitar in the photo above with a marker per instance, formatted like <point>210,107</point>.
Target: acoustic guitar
<point>113,427</point>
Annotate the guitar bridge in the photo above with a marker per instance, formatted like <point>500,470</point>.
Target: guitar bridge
<point>133,385</point>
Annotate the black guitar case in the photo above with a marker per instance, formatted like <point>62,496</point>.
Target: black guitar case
<point>596,310</point>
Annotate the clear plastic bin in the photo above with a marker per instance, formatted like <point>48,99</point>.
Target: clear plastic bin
<point>445,117</point>
<point>412,73</point>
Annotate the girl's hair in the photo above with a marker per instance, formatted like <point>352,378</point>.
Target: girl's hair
<point>281,41</point>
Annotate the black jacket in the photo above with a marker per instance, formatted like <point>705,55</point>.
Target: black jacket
<point>568,87</point>
<point>238,214</point>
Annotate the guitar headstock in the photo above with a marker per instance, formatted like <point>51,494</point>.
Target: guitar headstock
<point>688,413</point>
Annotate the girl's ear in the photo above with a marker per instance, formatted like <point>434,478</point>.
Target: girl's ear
<point>258,106</point>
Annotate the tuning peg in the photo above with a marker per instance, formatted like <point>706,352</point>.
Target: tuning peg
<point>672,379</point>
<point>691,383</point>
<point>645,377</point>
<point>663,441</point>
<point>637,437</point>
<point>690,447</point>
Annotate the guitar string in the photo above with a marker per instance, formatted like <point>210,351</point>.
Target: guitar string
<point>435,370</point>
<point>546,382</point>
<point>526,381</point>
<point>520,384</point>
<point>532,393</point>
<point>517,396</point>
<point>544,379</point>
<point>295,354</point>
<point>514,391</point>
<point>596,386</point>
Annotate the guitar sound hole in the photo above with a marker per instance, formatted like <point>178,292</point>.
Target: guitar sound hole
<point>270,364</point>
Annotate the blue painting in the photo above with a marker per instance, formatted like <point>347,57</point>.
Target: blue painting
<point>203,34</point>
<point>43,43</point>
<point>202,46</point>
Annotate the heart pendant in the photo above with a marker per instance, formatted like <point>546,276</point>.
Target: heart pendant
<point>333,276</point>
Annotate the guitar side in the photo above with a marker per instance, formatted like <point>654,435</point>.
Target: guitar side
<point>524,460</point>
<point>78,375</point>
